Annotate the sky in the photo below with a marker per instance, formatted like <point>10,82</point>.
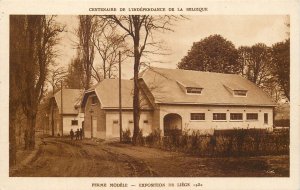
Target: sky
<point>240,30</point>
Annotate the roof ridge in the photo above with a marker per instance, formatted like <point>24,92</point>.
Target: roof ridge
<point>189,70</point>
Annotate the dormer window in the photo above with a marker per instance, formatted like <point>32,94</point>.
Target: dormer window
<point>190,87</point>
<point>193,90</point>
<point>236,90</point>
<point>240,92</point>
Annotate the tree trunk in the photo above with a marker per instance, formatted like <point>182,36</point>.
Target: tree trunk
<point>52,115</point>
<point>136,99</point>
<point>30,132</point>
<point>12,141</point>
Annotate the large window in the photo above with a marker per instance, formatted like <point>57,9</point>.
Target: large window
<point>236,116</point>
<point>252,116</point>
<point>240,92</point>
<point>192,90</point>
<point>219,116</point>
<point>74,122</point>
<point>197,116</point>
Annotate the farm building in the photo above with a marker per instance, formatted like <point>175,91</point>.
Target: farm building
<point>205,101</point>
<point>174,99</point>
<point>101,105</point>
<point>65,112</point>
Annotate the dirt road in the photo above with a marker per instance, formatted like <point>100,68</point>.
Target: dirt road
<point>63,157</point>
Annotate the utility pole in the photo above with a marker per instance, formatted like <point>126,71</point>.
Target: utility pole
<point>61,106</point>
<point>120,97</point>
<point>52,111</point>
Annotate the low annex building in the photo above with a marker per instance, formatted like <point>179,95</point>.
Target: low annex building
<point>65,112</point>
<point>173,99</point>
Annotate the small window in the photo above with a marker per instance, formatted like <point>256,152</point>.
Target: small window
<point>219,116</point>
<point>192,90</point>
<point>145,121</point>
<point>130,121</point>
<point>94,100</point>
<point>115,121</point>
<point>236,116</point>
<point>197,116</point>
<point>74,122</point>
<point>266,118</point>
<point>252,116</point>
<point>240,92</point>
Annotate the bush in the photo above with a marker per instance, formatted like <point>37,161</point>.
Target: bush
<point>236,142</point>
<point>154,138</point>
<point>126,136</point>
<point>140,138</point>
<point>282,123</point>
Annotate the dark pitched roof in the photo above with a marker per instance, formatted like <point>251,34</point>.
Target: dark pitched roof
<point>71,98</point>
<point>166,86</point>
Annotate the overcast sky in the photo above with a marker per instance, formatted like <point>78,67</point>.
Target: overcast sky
<point>241,30</point>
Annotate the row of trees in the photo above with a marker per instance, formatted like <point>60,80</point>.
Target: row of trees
<point>32,51</point>
<point>267,67</point>
<point>96,37</point>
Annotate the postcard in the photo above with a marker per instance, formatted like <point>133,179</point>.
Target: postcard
<point>149,95</point>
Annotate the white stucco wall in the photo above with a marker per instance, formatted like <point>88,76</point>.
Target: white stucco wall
<point>112,130</point>
<point>67,123</point>
<point>208,125</point>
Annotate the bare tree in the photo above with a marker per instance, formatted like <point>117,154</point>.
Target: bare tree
<point>108,44</point>
<point>140,29</point>
<point>86,52</point>
<point>55,76</point>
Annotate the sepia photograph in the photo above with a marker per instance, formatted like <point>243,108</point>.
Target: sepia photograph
<point>149,95</point>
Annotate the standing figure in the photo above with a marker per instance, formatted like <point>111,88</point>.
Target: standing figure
<point>77,134</point>
<point>72,134</point>
<point>80,133</point>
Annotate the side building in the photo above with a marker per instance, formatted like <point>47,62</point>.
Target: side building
<point>101,107</point>
<point>65,112</point>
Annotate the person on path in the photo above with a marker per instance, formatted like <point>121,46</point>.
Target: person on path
<point>72,134</point>
<point>77,134</point>
<point>80,133</point>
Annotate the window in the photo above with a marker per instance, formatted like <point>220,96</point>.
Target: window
<point>236,116</point>
<point>266,118</point>
<point>240,92</point>
<point>252,116</point>
<point>115,121</point>
<point>74,122</point>
<point>94,100</point>
<point>192,90</point>
<point>219,116</point>
<point>145,121</point>
<point>130,121</point>
<point>197,116</point>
